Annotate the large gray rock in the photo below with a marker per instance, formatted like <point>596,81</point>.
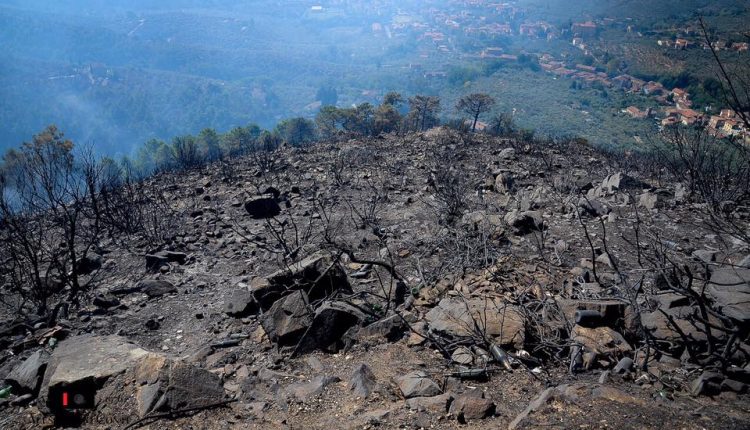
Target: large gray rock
<point>288,319</point>
<point>83,364</point>
<point>417,384</point>
<point>150,287</point>
<point>468,407</point>
<point>438,404</point>
<point>620,181</point>
<point>524,222</point>
<point>240,303</point>
<point>189,387</point>
<point>331,322</point>
<point>156,288</point>
<point>650,201</point>
<point>155,261</point>
<point>362,382</point>
<point>730,291</point>
<point>391,328</point>
<point>91,365</point>
<point>498,321</point>
<point>318,275</point>
<point>305,391</point>
<point>27,376</point>
<point>601,340</point>
<point>593,207</point>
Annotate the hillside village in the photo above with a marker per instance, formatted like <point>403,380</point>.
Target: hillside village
<point>437,31</point>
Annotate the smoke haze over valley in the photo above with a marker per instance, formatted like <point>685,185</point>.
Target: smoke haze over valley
<point>114,74</point>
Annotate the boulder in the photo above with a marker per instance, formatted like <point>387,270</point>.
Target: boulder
<point>362,382</point>
<point>82,364</point>
<point>483,221</point>
<point>660,328</point>
<point>504,183</point>
<point>467,407</point>
<point>709,383</point>
<point>155,287</point>
<point>704,255</point>
<point>593,207</point>
<point>155,261</point>
<point>620,181</point>
<point>650,201</point>
<point>601,340</point>
<point>189,387</point>
<point>305,391</point>
<point>262,207</point>
<point>507,154</point>
<point>88,264</point>
<point>417,384</point>
<point>288,319</point>
<point>105,301</point>
<point>438,404</point>
<point>240,303</point>
<point>524,222</point>
<point>729,289</point>
<point>318,275</point>
<point>88,366</point>
<point>331,322</point>
<point>27,376</point>
<point>391,329</point>
<point>498,321</point>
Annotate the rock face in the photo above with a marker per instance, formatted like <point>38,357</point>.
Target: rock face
<point>499,321</point>
<point>417,384</point>
<point>27,376</point>
<point>262,207</point>
<point>318,275</point>
<point>730,291</point>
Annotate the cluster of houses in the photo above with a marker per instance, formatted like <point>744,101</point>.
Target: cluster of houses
<point>679,107</point>
<point>719,45</point>
<point>587,75</point>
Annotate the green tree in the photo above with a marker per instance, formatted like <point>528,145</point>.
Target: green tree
<point>209,143</point>
<point>297,131</point>
<point>475,105</point>
<point>327,95</point>
<point>240,140</point>
<point>393,99</point>
<point>185,152</point>
<point>423,111</point>
<point>328,120</point>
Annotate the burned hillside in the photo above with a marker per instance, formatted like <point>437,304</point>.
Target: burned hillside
<point>434,279</point>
